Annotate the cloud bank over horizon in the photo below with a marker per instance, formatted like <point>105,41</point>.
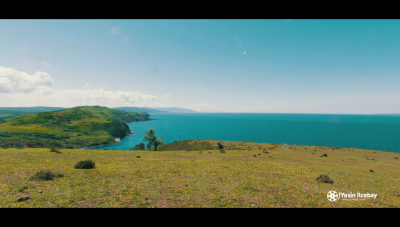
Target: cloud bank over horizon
<point>21,89</point>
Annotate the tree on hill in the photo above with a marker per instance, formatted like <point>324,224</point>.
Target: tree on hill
<point>152,139</point>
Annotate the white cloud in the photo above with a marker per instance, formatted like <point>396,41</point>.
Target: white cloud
<point>100,95</point>
<point>46,63</point>
<point>44,91</point>
<point>15,86</point>
<point>115,31</point>
<point>125,38</point>
<point>14,81</point>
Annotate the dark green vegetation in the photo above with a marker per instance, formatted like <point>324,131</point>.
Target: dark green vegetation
<point>324,179</point>
<point>53,149</point>
<point>139,147</point>
<point>187,145</point>
<point>46,175</point>
<point>70,128</point>
<point>152,139</point>
<point>87,164</point>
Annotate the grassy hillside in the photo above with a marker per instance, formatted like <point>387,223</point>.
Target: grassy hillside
<point>244,176</point>
<point>74,127</point>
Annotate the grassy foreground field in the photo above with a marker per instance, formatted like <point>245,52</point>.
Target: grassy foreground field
<point>243,176</point>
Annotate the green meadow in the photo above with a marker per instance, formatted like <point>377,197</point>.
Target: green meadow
<point>68,128</point>
<point>200,174</point>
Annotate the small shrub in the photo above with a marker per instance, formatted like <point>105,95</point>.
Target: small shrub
<point>137,156</point>
<point>53,149</point>
<point>46,175</point>
<point>254,155</point>
<point>21,189</point>
<point>87,164</point>
<point>396,158</point>
<point>220,146</point>
<point>324,179</point>
<point>371,170</point>
<point>139,147</point>
<point>325,155</point>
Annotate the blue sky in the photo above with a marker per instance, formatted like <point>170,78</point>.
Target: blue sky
<point>263,66</point>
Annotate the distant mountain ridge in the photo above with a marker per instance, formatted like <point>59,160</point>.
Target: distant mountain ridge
<point>41,109</point>
<point>156,109</point>
<point>139,109</point>
<point>173,109</point>
<point>23,110</point>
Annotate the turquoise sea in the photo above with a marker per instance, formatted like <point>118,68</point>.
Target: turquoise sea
<point>377,132</point>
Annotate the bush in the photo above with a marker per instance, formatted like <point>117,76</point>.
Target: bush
<point>87,164</point>
<point>371,170</point>
<point>140,146</point>
<point>53,149</point>
<point>220,146</point>
<point>324,179</point>
<point>46,175</point>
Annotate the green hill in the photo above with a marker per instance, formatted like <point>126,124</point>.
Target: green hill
<point>75,127</point>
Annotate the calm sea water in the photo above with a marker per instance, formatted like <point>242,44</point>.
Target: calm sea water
<point>377,132</point>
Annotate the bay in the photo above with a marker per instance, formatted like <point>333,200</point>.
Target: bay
<point>377,132</point>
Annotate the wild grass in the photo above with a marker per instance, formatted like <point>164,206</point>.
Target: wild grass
<point>285,177</point>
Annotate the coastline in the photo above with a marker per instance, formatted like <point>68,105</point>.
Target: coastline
<point>83,148</point>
